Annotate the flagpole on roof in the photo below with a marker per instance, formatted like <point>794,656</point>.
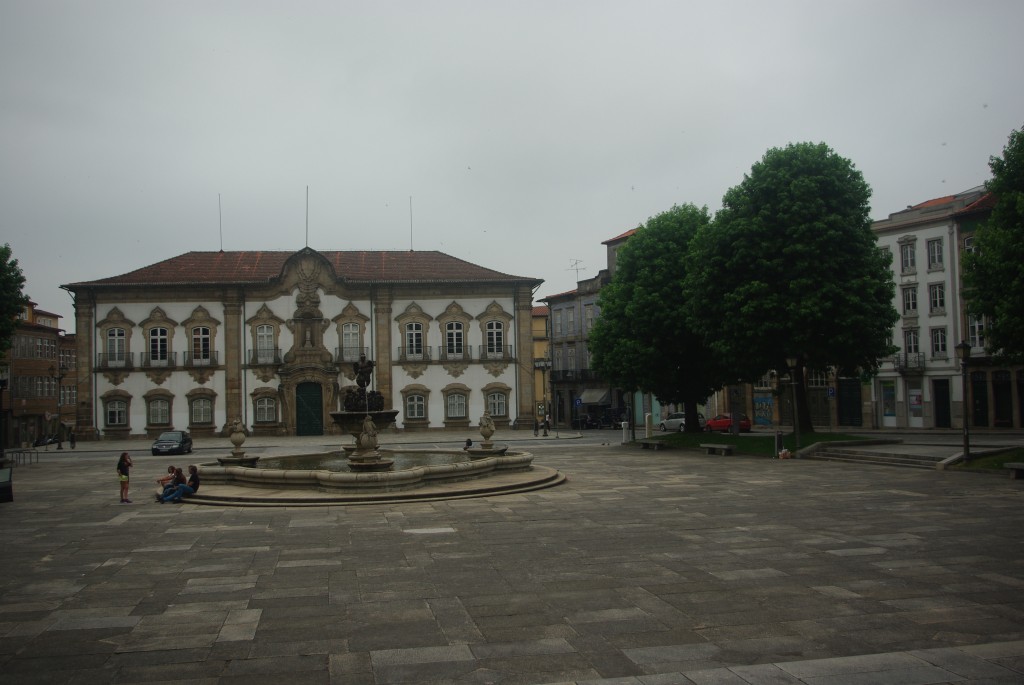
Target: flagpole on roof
<point>220,223</point>
<point>410,223</point>
<point>307,216</point>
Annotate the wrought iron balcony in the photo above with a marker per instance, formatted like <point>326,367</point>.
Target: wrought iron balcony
<point>161,361</point>
<point>495,352</point>
<point>454,353</point>
<point>909,362</point>
<point>204,359</point>
<point>114,360</point>
<point>349,353</point>
<point>563,375</point>
<point>265,356</point>
<point>414,353</point>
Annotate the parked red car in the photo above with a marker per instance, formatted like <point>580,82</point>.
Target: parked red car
<point>723,423</point>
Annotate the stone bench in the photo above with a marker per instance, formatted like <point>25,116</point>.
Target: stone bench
<point>714,448</point>
<point>1016,469</point>
<point>653,444</point>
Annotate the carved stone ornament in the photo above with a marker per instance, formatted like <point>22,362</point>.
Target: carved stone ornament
<point>415,370</point>
<point>201,374</point>
<point>495,368</point>
<point>455,369</point>
<point>115,377</point>
<point>158,376</point>
<point>265,372</point>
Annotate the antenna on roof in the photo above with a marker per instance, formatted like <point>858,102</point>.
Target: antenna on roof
<point>410,223</point>
<point>574,265</point>
<point>307,216</point>
<point>220,223</point>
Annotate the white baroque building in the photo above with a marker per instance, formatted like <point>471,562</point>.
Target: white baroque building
<point>201,339</point>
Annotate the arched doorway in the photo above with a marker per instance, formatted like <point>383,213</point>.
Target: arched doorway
<point>309,409</point>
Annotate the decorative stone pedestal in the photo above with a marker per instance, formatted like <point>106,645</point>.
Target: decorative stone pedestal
<point>237,457</point>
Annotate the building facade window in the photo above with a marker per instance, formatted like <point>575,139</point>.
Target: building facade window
<point>202,411</point>
<point>497,404</point>
<point>117,413</point>
<point>454,340</point>
<point>414,340</point>
<point>116,346</point>
<point>265,352</point>
<point>201,346</point>
<point>908,258</point>
<point>557,316</point>
<point>934,254</point>
<point>158,346</point>
<point>911,342</point>
<point>571,359</point>
<point>266,410</point>
<point>939,343</point>
<point>588,313</point>
<point>570,321</point>
<point>351,341</point>
<point>455,406</point>
<point>937,297</point>
<point>415,407</point>
<point>910,300</point>
<point>495,332</point>
<point>159,412</point>
<point>976,331</point>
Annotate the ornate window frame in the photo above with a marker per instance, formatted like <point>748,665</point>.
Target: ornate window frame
<point>115,370</point>
<point>194,395</point>
<point>415,423</point>
<point>414,314</point>
<point>350,315</point>
<point>151,397</point>
<point>108,399</point>
<point>500,420</point>
<point>264,317</point>
<point>456,389</point>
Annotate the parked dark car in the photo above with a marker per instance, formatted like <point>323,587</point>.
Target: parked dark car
<point>723,423</point>
<point>173,442</point>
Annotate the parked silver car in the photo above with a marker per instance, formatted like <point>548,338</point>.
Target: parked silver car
<point>677,422</point>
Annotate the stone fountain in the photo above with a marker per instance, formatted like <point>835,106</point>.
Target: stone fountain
<point>364,412</point>
<point>237,458</point>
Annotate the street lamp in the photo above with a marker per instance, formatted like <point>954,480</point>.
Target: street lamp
<point>963,353</point>
<point>59,374</point>
<point>791,363</point>
<point>543,365</point>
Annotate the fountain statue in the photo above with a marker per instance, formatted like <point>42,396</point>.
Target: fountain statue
<point>237,437</point>
<point>486,448</point>
<point>363,412</point>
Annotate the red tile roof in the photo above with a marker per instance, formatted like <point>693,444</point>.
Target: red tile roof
<point>239,268</point>
<point>541,311</point>
<point>621,236</point>
<point>986,201</point>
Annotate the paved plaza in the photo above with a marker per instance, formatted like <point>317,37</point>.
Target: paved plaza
<point>644,568</point>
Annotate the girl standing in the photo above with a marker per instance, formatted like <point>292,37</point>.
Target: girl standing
<point>124,464</point>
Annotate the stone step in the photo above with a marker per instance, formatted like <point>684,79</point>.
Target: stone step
<point>856,453</point>
<point>899,460</point>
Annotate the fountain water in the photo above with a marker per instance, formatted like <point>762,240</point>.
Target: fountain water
<point>364,411</point>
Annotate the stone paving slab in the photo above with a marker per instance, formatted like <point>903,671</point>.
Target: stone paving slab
<point>644,568</point>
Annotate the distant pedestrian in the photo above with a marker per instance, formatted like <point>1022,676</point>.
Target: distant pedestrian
<point>71,439</point>
<point>124,465</point>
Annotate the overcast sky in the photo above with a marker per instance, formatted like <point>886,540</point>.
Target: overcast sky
<point>526,133</point>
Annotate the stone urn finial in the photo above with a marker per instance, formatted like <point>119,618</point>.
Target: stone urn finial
<point>486,428</point>
<point>237,437</point>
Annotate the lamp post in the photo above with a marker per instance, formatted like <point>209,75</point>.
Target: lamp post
<point>543,365</point>
<point>791,363</point>
<point>3,413</point>
<point>963,353</point>
<point>59,374</point>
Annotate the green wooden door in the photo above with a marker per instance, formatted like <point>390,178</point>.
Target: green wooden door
<point>309,409</point>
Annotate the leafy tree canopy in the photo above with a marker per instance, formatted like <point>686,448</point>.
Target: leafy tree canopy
<point>12,299</point>
<point>994,272</point>
<point>642,339</point>
<point>791,268</point>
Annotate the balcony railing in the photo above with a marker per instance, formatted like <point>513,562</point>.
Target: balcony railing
<point>495,352</point>
<point>164,361</point>
<point>410,353</point>
<point>265,356</point>
<point>909,362</point>
<point>454,353</point>
<point>349,354</point>
<point>563,375</point>
<point>205,359</point>
<point>114,360</point>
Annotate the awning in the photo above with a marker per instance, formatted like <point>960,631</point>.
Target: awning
<point>594,396</point>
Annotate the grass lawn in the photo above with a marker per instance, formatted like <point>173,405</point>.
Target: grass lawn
<point>993,461</point>
<point>749,443</point>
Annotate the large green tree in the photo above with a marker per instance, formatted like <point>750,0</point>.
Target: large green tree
<point>790,269</point>
<point>12,299</point>
<point>994,272</point>
<point>642,340</point>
